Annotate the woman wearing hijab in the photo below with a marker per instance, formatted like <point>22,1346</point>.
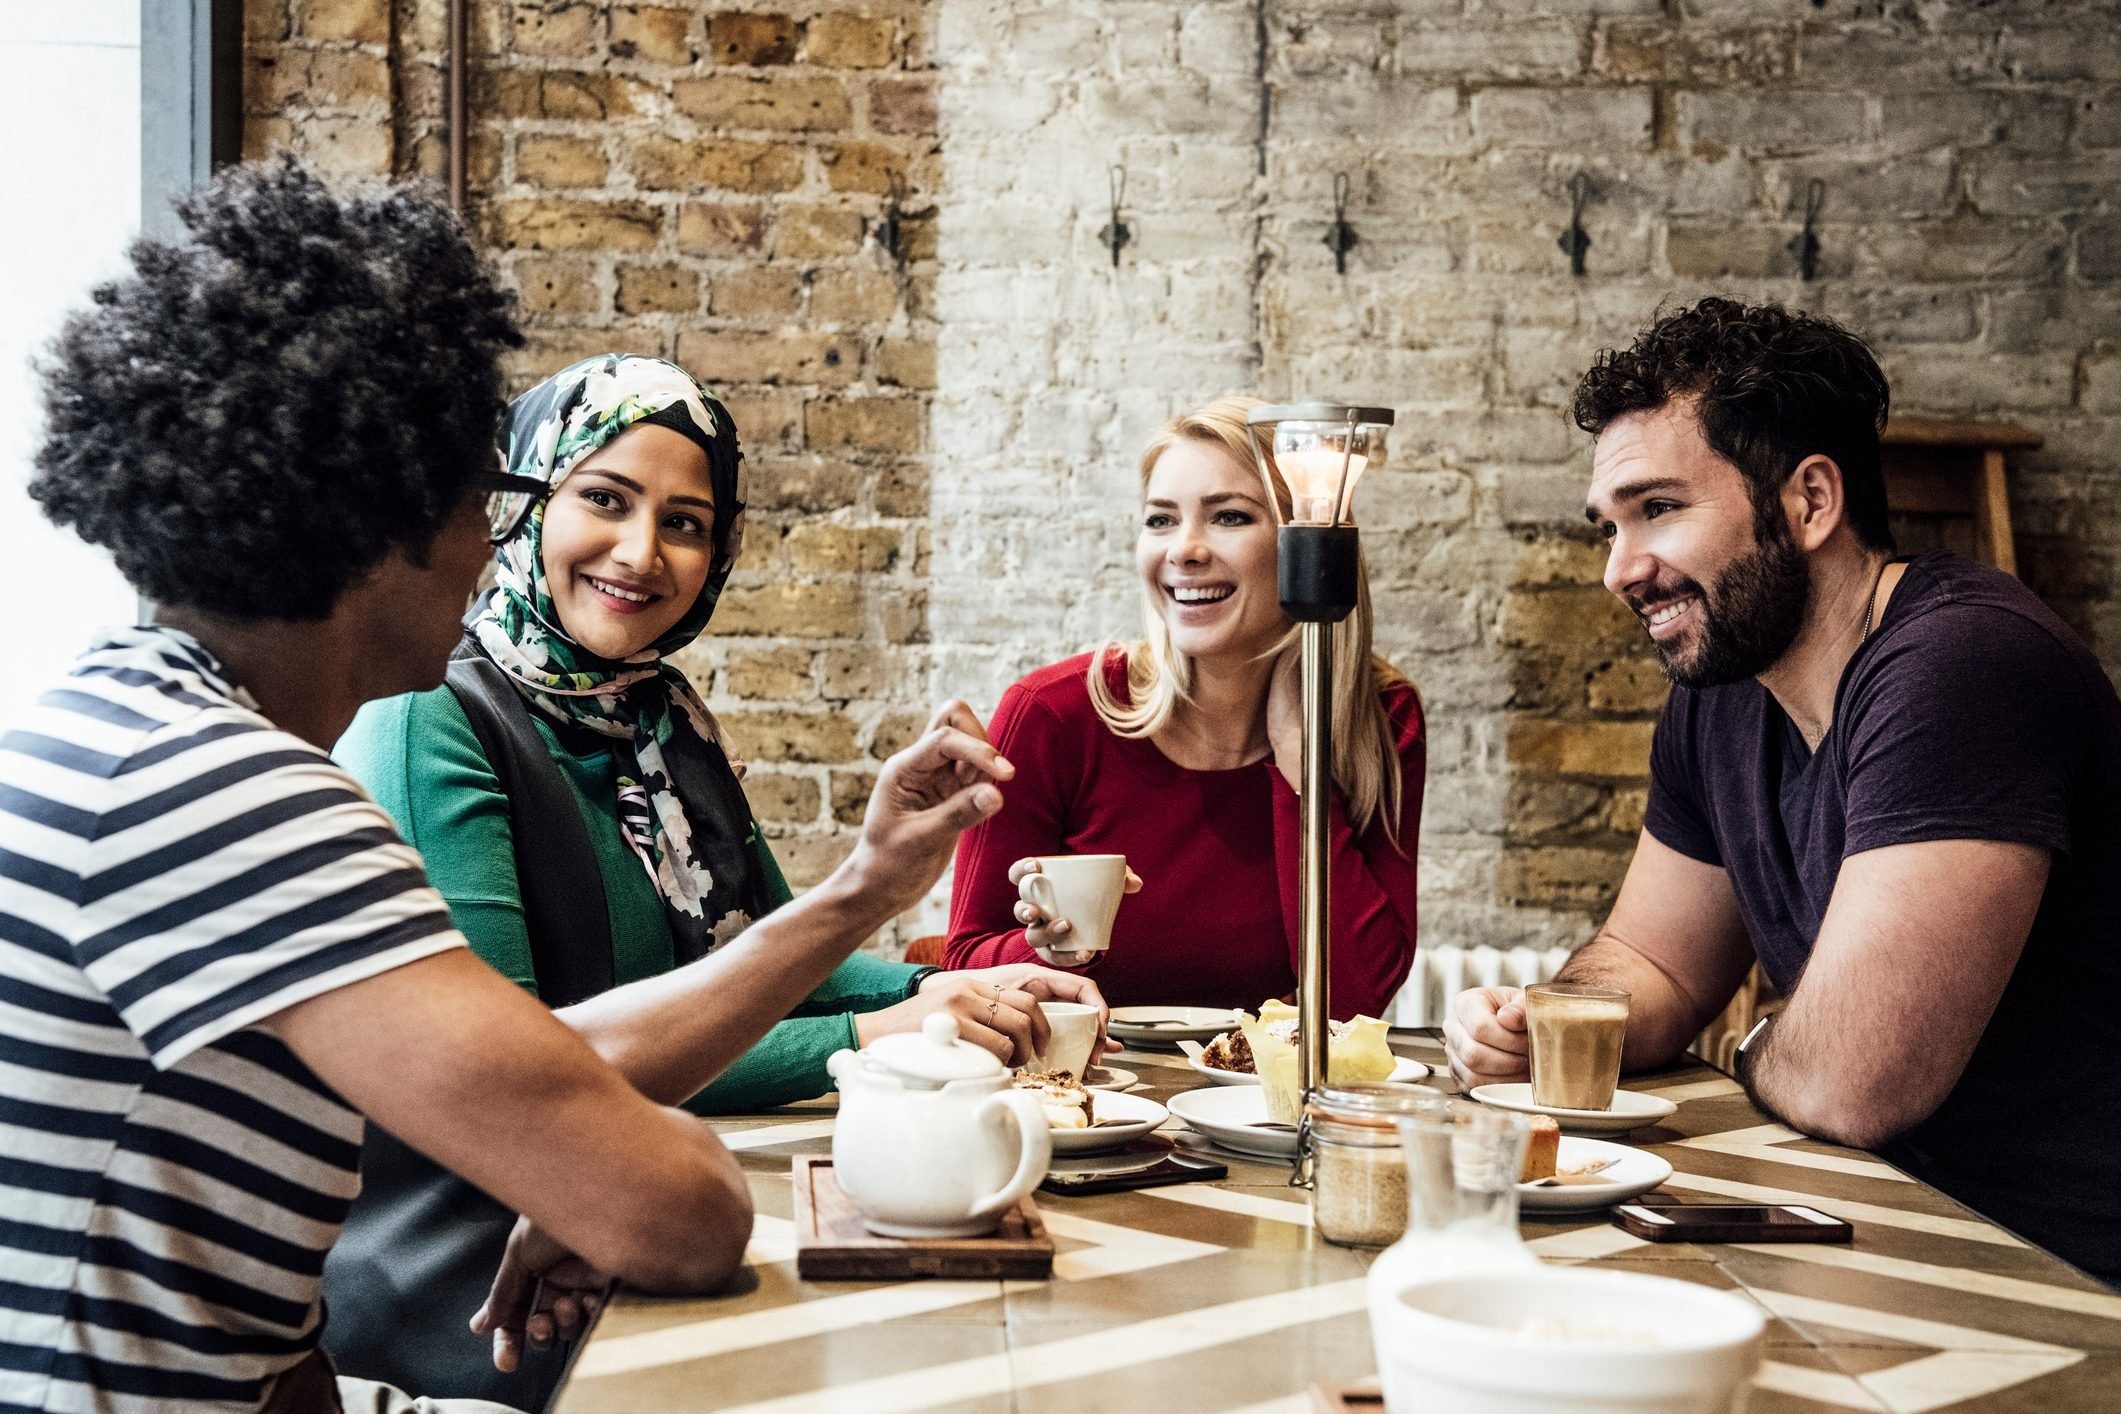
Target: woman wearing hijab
<point>577,806</point>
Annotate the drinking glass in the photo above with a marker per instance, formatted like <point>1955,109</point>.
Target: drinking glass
<point>1577,1032</point>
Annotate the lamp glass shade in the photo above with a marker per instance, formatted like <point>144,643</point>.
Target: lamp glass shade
<point>1321,462</point>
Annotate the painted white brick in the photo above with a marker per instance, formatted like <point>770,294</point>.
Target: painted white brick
<point>1600,121</point>
<point>1779,124</point>
<point>1218,38</point>
<point>1527,49</point>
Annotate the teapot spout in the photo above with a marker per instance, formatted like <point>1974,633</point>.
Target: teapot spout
<point>842,1063</point>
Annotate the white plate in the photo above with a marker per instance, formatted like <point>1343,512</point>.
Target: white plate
<point>1635,1173</point>
<point>1182,1023</point>
<point>1405,1072</point>
<point>1110,1077</point>
<point>1226,1116</point>
<point>1142,1115</point>
<point>1629,1111</point>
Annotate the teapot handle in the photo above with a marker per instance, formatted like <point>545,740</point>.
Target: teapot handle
<point>1034,1155</point>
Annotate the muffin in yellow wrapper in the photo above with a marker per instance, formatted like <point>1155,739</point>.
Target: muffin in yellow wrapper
<point>1355,1050</point>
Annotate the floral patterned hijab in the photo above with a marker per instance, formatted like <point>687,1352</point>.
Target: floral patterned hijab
<point>683,812</point>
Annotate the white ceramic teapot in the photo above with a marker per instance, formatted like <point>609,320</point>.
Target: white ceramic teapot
<point>931,1140</point>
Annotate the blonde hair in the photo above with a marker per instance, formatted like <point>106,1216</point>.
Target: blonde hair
<point>1365,748</point>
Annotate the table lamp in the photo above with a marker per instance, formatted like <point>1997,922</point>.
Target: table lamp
<point>1321,450</point>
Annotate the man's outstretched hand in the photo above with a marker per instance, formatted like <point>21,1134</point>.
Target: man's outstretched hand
<point>925,797</point>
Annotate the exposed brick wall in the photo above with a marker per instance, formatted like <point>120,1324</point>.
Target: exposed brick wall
<point>317,80</point>
<point>699,180</point>
<point>1967,158</point>
<point>1970,155</point>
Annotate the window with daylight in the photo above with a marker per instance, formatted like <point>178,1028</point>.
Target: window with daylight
<point>142,92</point>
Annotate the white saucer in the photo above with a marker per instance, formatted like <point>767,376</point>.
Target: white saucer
<point>1227,1116</point>
<point>1132,1024</point>
<point>1630,1110</point>
<point>1141,1114</point>
<point>1110,1077</point>
<point>1405,1072</point>
<point>1634,1173</point>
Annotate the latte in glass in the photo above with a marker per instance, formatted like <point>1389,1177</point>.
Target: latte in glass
<point>1576,1032</point>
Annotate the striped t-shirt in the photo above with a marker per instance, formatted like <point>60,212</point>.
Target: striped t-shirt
<point>173,870</point>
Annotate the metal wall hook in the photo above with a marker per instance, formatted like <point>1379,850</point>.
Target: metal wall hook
<point>1117,234</point>
<point>1576,241</point>
<point>1805,244</point>
<point>890,227</point>
<point>1340,236</point>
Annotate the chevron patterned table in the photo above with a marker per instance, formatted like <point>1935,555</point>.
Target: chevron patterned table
<point>1219,1297</point>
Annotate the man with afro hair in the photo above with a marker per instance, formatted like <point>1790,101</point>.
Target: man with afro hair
<point>216,954</point>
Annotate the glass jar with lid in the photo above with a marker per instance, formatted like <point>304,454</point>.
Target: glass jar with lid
<point>1358,1169</point>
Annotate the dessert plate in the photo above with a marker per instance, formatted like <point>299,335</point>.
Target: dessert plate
<point>1230,1117</point>
<point>1140,1115</point>
<point>1634,1172</point>
<point>1110,1077</point>
<point>1168,1025</point>
<point>1404,1072</point>
<point>1629,1111</point>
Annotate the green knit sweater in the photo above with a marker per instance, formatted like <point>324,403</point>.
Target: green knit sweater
<point>419,758</point>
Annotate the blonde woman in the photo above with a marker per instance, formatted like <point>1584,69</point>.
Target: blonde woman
<point>1182,752</point>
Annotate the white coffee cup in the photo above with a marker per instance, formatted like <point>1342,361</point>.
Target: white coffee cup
<point>1071,1041</point>
<point>1085,889</point>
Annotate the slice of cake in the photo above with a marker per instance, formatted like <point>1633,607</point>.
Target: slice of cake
<point>1543,1153</point>
<point>1068,1105</point>
<point>1229,1051</point>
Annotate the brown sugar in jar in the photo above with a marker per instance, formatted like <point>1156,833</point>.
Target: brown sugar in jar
<point>1358,1171</point>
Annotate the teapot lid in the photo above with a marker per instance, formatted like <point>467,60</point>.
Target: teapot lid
<point>933,1054</point>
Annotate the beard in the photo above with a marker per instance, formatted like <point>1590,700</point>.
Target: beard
<point>1749,617</point>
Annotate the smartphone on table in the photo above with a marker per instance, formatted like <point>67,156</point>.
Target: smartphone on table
<point>1729,1222</point>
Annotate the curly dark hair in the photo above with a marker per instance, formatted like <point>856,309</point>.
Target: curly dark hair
<point>258,414</point>
<point>1772,387</point>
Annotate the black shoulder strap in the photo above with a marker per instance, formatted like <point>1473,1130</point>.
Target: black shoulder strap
<point>556,863</point>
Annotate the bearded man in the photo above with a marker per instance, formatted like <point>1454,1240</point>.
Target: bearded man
<point>1894,782</point>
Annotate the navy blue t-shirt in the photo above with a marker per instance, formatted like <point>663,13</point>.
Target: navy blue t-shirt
<point>1971,712</point>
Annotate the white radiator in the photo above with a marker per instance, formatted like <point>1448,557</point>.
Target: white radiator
<point>1441,973</point>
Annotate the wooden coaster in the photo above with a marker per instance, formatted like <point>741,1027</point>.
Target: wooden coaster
<point>1347,1399</point>
<point>831,1244</point>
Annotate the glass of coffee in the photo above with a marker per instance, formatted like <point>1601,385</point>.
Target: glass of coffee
<point>1576,1032</point>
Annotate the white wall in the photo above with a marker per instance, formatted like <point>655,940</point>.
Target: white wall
<point>70,113</point>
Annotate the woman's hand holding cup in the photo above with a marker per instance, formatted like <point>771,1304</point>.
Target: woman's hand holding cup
<point>993,1010</point>
<point>1067,902</point>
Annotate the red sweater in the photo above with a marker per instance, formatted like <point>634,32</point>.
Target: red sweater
<point>1215,923</point>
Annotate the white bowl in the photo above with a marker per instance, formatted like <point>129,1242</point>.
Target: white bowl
<point>1562,1341</point>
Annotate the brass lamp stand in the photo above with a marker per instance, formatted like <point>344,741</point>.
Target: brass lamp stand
<point>1320,449</point>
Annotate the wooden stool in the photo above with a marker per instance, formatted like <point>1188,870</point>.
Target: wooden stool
<point>1952,471</point>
